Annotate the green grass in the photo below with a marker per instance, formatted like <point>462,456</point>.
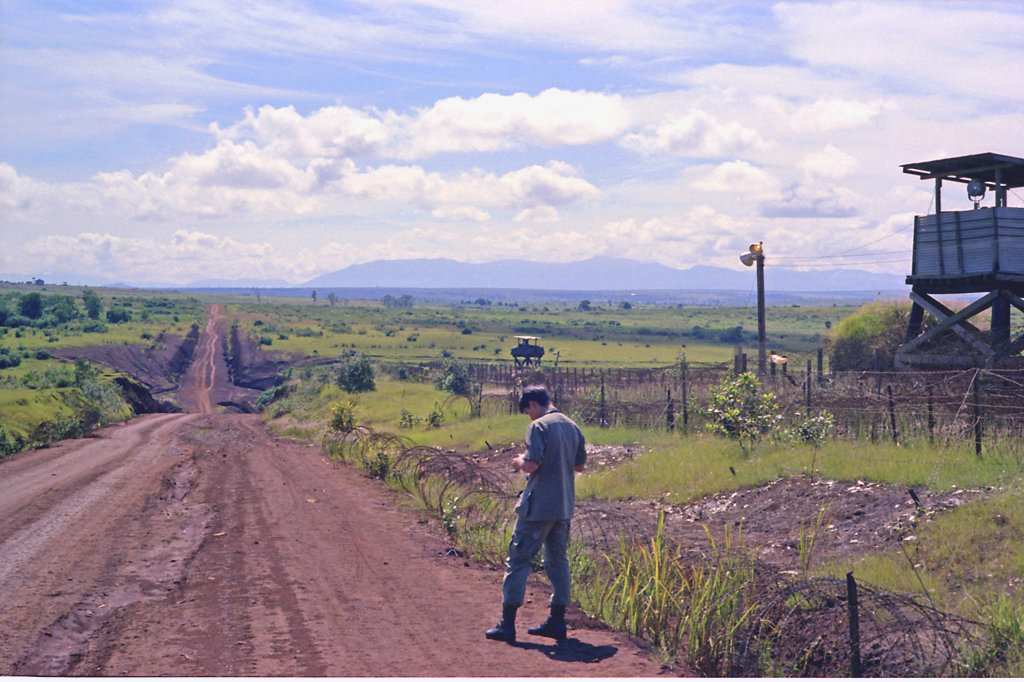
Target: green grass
<point>382,409</point>
<point>970,560</point>
<point>645,336</point>
<point>965,557</point>
<point>23,409</point>
<point>682,469</point>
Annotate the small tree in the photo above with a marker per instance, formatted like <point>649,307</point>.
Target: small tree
<point>343,417</point>
<point>31,305</point>
<point>355,373</point>
<point>92,303</point>
<point>814,430</point>
<point>118,315</point>
<point>454,378</point>
<point>739,410</point>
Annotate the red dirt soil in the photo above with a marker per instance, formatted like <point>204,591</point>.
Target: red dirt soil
<point>199,545</point>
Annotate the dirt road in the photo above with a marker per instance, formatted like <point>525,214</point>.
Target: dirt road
<point>198,545</point>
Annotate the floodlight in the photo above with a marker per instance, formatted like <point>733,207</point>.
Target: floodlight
<point>754,254</point>
<point>976,191</point>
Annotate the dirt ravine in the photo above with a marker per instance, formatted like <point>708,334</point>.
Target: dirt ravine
<point>199,545</point>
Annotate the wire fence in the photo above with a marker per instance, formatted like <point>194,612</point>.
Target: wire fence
<point>820,627</point>
<point>980,405</point>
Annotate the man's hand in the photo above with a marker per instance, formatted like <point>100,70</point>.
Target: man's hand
<point>524,465</point>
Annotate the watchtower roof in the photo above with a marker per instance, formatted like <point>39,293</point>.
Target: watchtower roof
<point>972,167</point>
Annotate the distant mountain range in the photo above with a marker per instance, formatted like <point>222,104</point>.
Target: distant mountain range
<point>598,273</point>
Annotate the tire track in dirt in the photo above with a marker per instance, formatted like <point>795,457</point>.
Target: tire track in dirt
<point>91,489</point>
<point>58,538</point>
<point>204,366</point>
<point>199,545</point>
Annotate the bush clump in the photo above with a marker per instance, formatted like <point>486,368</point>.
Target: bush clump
<point>876,330</point>
<point>355,373</point>
<point>739,410</point>
<point>453,377</point>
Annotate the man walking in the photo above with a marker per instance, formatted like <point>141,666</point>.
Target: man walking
<point>554,452</point>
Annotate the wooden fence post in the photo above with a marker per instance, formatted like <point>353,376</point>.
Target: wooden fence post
<point>851,603</point>
<point>670,413</point>
<point>977,413</point>
<point>892,416</point>
<point>821,368</point>
<point>683,395</point>
<point>876,361</point>
<point>931,416</point>
<point>604,413</point>
<point>808,388</point>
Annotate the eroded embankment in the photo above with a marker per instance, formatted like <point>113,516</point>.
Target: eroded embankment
<point>250,367</point>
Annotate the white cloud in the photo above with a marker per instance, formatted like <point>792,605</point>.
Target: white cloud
<point>910,46</point>
<point>488,122</point>
<point>696,134</point>
<point>16,192</point>
<point>834,113</point>
<point>813,200</point>
<point>739,178</point>
<point>331,132</point>
<point>543,214</point>
<point>471,213</point>
<point>185,256</point>
<point>493,122</point>
<point>830,162</point>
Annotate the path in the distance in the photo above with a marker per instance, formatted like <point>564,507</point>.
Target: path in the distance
<point>198,545</point>
<point>204,365</point>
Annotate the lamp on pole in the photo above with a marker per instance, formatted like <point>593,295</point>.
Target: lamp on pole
<point>756,255</point>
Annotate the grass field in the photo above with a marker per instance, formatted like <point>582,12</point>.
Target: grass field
<point>970,560</point>
<point>642,336</point>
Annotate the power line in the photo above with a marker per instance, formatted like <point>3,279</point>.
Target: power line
<point>862,262</point>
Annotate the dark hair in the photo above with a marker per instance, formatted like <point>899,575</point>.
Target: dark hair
<point>537,394</point>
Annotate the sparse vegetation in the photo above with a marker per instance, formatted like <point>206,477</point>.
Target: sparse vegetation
<point>967,559</point>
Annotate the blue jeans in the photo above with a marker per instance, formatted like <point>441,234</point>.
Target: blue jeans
<point>527,539</point>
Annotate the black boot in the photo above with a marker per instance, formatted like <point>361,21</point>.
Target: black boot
<point>505,631</point>
<point>554,627</point>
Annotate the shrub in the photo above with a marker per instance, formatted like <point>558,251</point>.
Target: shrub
<point>268,396</point>
<point>18,321</point>
<point>118,315</point>
<point>739,410</point>
<point>92,303</point>
<point>9,359</point>
<point>343,417</point>
<point>814,430</point>
<point>84,372</point>
<point>877,327</point>
<point>453,377</point>
<point>31,305</point>
<point>356,374</point>
<point>436,416</point>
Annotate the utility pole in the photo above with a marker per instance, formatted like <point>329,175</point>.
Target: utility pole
<point>756,255</point>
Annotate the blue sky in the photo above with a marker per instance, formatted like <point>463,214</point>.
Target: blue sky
<point>169,142</point>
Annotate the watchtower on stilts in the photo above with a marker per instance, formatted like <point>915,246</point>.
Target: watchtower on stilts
<point>962,252</point>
